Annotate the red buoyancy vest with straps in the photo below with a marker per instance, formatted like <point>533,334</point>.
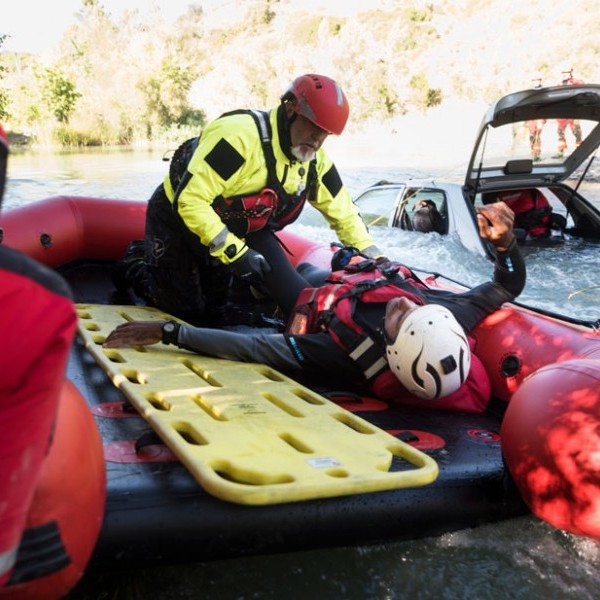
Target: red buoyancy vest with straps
<point>532,211</point>
<point>273,206</point>
<point>339,309</point>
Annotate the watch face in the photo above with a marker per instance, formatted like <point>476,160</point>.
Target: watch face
<point>169,327</point>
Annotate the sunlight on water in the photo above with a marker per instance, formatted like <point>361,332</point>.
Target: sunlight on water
<point>122,174</point>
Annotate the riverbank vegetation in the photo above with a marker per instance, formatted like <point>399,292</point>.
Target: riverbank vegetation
<point>142,78</point>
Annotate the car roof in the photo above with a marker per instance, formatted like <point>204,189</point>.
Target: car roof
<point>503,153</point>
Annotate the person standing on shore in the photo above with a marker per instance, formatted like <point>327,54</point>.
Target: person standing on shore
<point>573,124</point>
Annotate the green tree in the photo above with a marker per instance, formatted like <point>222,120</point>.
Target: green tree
<point>60,95</point>
<point>424,96</point>
<point>166,97</point>
<point>4,100</point>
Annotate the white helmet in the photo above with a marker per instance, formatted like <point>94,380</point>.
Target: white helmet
<point>431,355</point>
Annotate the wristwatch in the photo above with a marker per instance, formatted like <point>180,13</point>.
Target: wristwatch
<point>170,332</point>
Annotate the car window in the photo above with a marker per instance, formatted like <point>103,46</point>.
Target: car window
<point>376,205</point>
<point>420,195</point>
<point>545,141</point>
<point>412,218</point>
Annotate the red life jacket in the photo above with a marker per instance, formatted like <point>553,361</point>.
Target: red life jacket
<point>532,211</point>
<point>273,206</point>
<point>342,309</point>
<point>333,308</point>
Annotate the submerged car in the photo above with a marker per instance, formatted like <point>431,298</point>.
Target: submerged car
<point>521,156</point>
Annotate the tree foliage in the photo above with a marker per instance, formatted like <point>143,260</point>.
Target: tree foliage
<point>59,94</point>
<point>149,76</point>
<point>3,93</point>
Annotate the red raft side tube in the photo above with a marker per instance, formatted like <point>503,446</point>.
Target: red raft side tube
<point>549,373</point>
<point>58,230</point>
<point>515,342</point>
<point>302,250</point>
<point>551,443</point>
<point>67,509</point>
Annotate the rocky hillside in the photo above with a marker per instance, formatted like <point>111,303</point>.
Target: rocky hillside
<point>405,65</point>
<point>397,56</point>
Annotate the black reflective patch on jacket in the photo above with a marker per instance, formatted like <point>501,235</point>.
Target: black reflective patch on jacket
<point>224,159</point>
<point>332,181</point>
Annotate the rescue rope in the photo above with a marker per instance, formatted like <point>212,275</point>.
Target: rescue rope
<point>582,290</point>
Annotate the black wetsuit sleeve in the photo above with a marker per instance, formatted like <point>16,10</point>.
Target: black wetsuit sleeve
<point>266,348</point>
<point>312,355</point>
<point>510,271</point>
<point>472,306</point>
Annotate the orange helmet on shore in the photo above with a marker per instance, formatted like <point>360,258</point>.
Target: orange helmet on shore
<point>320,100</point>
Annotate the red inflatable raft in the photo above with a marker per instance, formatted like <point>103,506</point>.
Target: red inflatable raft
<point>544,372</point>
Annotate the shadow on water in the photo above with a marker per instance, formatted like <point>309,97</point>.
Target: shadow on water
<point>519,559</point>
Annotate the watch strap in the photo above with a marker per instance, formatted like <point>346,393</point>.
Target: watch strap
<point>170,332</point>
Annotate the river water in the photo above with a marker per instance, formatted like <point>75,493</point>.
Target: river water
<point>521,558</point>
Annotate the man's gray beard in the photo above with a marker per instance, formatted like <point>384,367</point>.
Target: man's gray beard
<point>302,156</point>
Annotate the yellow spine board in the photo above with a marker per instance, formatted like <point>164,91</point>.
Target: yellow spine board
<point>247,433</point>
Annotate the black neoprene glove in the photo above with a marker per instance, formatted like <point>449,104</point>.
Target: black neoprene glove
<point>342,257</point>
<point>251,267</point>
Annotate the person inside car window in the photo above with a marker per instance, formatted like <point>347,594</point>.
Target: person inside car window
<point>533,213</point>
<point>427,218</point>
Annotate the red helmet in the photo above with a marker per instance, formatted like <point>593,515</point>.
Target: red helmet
<point>3,159</point>
<point>321,100</point>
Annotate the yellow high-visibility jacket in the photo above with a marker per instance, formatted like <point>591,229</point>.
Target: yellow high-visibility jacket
<point>229,161</point>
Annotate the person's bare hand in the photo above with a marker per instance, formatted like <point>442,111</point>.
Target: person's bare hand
<point>135,333</point>
<point>496,222</point>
